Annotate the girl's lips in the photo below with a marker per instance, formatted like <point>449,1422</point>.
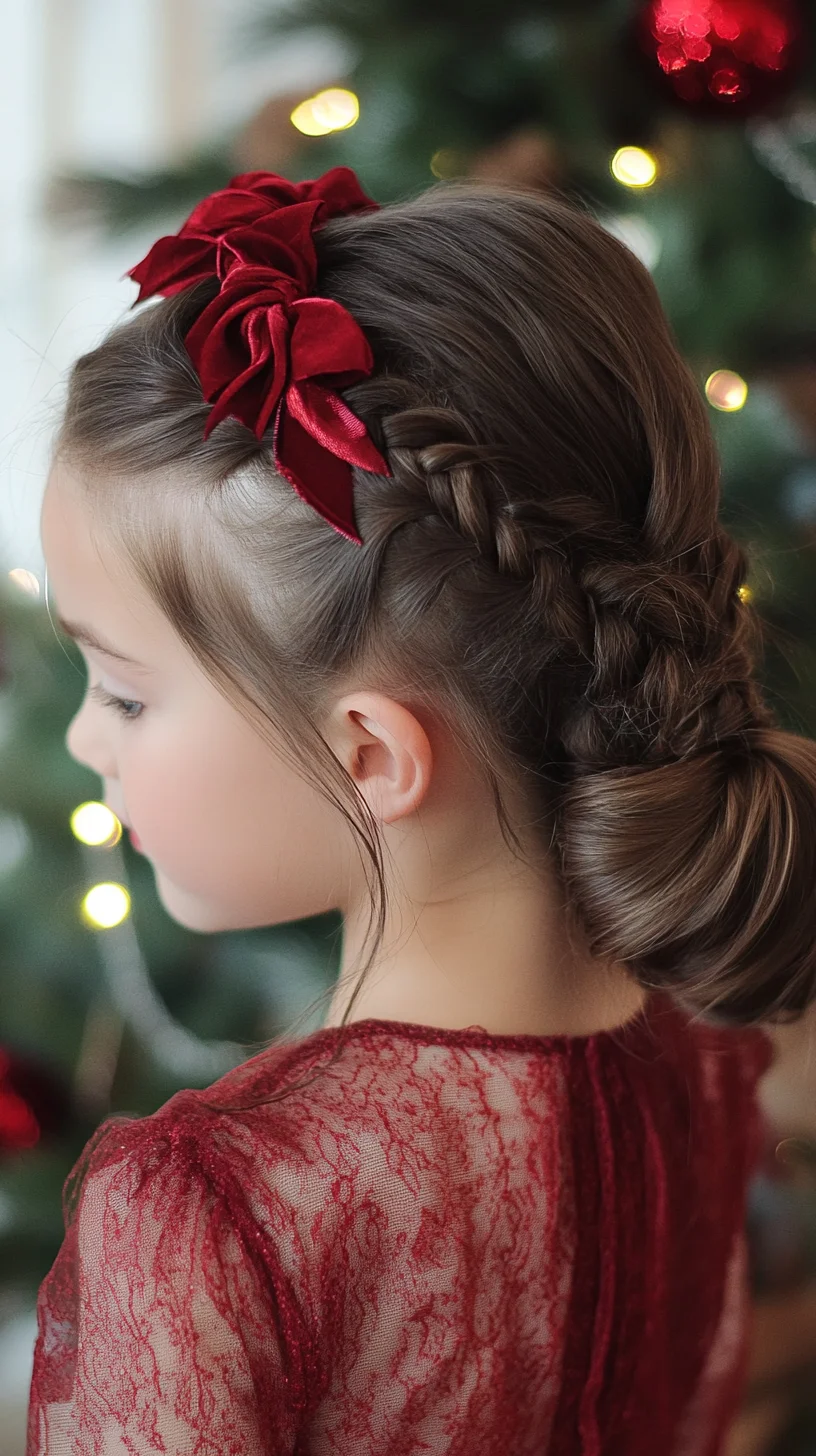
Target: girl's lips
<point>135,841</point>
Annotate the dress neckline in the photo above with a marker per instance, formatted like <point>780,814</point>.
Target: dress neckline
<point>372,1027</point>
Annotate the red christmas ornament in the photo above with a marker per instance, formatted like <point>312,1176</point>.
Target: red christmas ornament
<point>725,57</point>
<point>34,1102</point>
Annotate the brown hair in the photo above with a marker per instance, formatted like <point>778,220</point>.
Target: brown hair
<point>544,568</point>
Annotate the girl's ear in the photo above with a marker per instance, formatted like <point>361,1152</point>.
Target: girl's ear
<point>385,749</point>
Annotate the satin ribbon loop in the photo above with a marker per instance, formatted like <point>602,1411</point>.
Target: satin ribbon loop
<point>267,350</point>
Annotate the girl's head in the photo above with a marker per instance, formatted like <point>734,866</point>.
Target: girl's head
<point>544,607</point>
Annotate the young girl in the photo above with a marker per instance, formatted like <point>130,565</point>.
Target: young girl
<point>391,539</point>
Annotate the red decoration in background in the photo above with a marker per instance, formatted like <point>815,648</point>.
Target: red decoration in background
<point>34,1103</point>
<point>725,57</point>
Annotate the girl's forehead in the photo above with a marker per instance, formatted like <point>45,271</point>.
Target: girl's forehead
<point>90,585</point>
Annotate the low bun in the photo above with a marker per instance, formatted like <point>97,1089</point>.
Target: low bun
<point>699,873</point>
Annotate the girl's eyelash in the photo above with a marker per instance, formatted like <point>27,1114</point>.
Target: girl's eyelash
<point>121,705</point>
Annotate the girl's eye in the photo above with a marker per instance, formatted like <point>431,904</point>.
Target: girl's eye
<point>123,706</point>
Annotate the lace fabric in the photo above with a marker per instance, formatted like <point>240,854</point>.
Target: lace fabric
<point>447,1242</point>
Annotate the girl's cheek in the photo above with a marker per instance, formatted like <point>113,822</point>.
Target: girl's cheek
<point>158,786</point>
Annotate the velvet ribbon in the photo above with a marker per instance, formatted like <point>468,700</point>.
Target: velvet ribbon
<point>266,349</point>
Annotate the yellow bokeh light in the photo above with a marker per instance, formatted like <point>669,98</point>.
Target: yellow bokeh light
<point>25,580</point>
<point>332,110</point>
<point>106,905</point>
<point>726,390</point>
<point>95,823</point>
<point>745,594</point>
<point>336,108</point>
<point>304,119</point>
<point>633,167</point>
<point>446,163</point>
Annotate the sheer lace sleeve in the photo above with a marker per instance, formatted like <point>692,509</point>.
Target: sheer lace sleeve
<point>163,1325</point>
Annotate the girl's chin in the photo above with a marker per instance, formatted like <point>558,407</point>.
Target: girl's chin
<point>195,912</point>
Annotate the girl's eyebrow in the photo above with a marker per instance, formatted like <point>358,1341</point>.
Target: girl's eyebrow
<point>90,639</point>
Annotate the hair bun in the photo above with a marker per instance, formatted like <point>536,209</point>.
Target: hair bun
<point>699,873</point>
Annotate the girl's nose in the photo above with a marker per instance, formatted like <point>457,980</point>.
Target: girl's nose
<point>86,742</point>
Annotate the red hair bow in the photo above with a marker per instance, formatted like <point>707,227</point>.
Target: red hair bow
<point>265,348</point>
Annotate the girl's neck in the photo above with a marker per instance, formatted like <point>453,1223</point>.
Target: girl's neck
<point>497,955</point>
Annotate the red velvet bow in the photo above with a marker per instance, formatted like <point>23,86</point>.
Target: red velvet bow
<point>265,348</point>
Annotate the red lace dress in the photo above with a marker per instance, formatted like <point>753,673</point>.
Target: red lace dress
<point>446,1242</point>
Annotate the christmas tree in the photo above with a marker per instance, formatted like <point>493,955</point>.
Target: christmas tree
<point>689,128</point>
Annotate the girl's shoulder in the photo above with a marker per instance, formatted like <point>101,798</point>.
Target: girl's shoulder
<point>348,1076</point>
<point>343,1098</point>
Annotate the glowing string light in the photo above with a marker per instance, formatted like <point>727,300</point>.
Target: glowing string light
<point>25,580</point>
<point>95,823</point>
<point>106,905</point>
<point>332,110</point>
<point>726,390</point>
<point>634,167</point>
<point>446,163</point>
